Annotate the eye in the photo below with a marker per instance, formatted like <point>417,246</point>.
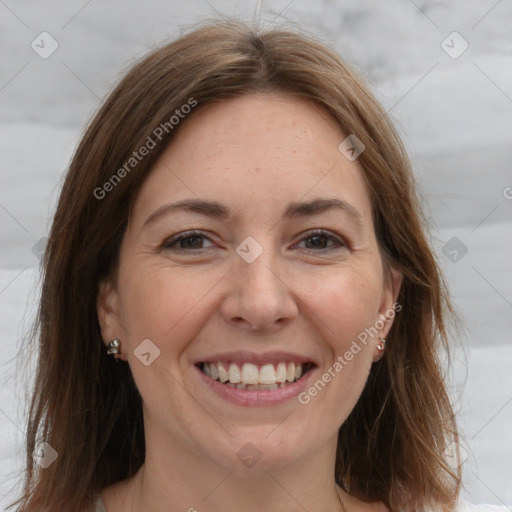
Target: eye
<point>319,239</point>
<point>188,241</point>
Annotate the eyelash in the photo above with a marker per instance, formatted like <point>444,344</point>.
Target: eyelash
<point>169,243</point>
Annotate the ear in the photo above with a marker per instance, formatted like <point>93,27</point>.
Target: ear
<point>109,317</point>
<point>389,305</point>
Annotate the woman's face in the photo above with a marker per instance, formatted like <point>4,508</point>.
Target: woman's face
<point>250,252</point>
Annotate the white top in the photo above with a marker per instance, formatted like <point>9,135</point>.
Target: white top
<point>466,506</point>
<point>99,506</point>
<point>463,506</point>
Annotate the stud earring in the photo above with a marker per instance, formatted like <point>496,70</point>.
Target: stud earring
<point>114,348</point>
<point>381,347</point>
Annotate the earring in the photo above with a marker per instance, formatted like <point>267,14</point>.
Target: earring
<point>381,346</point>
<point>114,348</point>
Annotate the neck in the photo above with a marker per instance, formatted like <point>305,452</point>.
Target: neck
<point>179,479</point>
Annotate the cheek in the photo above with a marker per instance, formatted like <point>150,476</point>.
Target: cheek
<point>345,303</point>
<point>345,306</point>
<point>163,304</point>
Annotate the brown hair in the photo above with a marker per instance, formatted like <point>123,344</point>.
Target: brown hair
<point>87,407</point>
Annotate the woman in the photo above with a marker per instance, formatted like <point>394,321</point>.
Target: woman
<point>240,310</point>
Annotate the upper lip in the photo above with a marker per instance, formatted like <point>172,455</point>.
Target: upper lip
<point>240,357</point>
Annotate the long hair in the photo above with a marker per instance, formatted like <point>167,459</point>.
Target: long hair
<point>86,406</point>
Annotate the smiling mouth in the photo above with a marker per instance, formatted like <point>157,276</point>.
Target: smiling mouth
<point>253,377</point>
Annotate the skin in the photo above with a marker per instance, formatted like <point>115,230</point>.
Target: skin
<point>255,155</point>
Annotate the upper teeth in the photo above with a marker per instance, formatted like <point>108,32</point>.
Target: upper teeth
<point>252,374</point>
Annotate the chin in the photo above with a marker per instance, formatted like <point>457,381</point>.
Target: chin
<point>259,450</point>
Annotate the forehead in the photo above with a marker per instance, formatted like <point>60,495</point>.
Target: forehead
<point>259,150</point>
<point>260,124</point>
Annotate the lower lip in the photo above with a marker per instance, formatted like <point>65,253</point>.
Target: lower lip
<point>256,398</point>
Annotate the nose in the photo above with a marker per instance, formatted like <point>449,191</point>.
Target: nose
<point>259,296</point>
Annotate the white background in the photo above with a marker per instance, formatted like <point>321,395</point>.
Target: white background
<point>455,115</point>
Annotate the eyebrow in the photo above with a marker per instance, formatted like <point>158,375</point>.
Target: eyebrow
<point>216,210</point>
